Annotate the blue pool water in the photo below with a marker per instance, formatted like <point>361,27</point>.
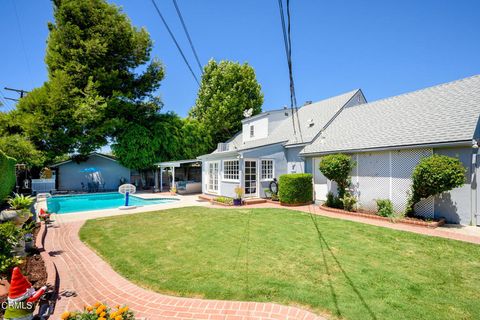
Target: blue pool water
<point>97,201</point>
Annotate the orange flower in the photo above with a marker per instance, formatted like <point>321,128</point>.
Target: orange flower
<point>118,318</point>
<point>89,308</point>
<point>113,315</point>
<point>102,319</point>
<point>103,314</point>
<point>97,304</point>
<point>117,306</point>
<point>65,315</point>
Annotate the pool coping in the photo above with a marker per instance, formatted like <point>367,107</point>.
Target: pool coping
<point>184,200</point>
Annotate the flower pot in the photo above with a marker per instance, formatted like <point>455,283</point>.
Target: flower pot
<point>19,217</point>
<point>237,202</point>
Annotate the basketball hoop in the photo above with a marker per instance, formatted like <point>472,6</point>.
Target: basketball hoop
<point>124,188</point>
<point>127,189</point>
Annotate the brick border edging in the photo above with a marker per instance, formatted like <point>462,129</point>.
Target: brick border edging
<point>283,204</point>
<point>49,264</point>
<point>432,224</point>
<point>221,203</point>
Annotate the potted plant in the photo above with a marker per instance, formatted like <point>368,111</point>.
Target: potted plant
<point>239,193</point>
<point>20,206</point>
<point>173,190</point>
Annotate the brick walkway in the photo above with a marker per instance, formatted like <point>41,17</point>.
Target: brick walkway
<point>85,279</point>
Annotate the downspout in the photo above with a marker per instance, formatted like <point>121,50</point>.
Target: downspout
<point>473,184</point>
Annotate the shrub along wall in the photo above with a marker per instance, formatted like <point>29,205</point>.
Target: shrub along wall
<point>295,188</point>
<point>7,176</point>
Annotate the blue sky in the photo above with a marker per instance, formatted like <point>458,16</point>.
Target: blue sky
<point>384,47</point>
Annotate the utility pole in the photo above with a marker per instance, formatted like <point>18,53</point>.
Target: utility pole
<point>19,91</point>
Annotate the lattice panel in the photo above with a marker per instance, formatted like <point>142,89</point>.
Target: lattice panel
<point>372,178</point>
<point>403,163</point>
<point>425,208</point>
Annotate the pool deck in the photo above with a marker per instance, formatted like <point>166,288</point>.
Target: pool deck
<point>184,201</point>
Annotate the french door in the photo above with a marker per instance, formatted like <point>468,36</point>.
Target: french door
<point>212,184</point>
<point>251,180</point>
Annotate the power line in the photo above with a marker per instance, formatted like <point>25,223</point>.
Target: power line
<point>288,51</point>
<point>22,42</point>
<point>6,104</point>
<point>175,41</point>
<point>292,84</point>
<point>188,35</point>
<point>285,41</point>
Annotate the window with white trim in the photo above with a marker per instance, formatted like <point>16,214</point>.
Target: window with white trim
<point>230,170</point>
<point>252,131</point>
<point>267,169</point>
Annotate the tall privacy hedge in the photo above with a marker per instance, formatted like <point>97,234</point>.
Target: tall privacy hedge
<point>295,188</point>
<point>7,176</point>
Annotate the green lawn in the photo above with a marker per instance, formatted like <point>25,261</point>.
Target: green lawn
<point>347,269</point>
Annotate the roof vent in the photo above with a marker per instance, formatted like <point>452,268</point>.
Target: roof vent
<point>310,123</point>
<point>285,108</point>
<point>308,102</point>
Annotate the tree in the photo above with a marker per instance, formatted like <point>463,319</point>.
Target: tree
<point>227,90</point>
<point>195,139</point>
<point>140,146</point>
<point>93,57</point>
<point>434,175</point>
<point>22,149</point>
<point>337,167</point>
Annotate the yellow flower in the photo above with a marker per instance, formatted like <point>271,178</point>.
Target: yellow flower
<point>113,315</point>
<point>89,308</point>
<point>103,314</point>
<point>117,306</point>
<point>102,319</point>
<point>65,315</point>
<point>118,318</point>
<point>97,304</point>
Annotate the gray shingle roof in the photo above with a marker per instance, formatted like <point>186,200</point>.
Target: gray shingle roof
<point>320,112</point>
<point>445,113</point>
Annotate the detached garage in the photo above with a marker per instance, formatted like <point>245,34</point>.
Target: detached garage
<point>97,173</point>
<point>387,139</point>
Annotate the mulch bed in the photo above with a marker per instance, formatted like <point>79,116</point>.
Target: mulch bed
<point>406,220</point>
<point>33,267</point>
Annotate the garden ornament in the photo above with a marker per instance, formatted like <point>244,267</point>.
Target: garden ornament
<point>22,297</point>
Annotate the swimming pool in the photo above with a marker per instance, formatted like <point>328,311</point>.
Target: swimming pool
<point>97,201</point>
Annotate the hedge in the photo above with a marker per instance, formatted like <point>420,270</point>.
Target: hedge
<point>295,188</point>
<point>8,176</point>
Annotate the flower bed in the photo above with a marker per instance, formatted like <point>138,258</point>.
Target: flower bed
<point>222,201</point>
<point>34,266</point>
<point>405,220</point>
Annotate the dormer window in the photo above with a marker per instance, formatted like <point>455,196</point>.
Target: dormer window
<point>252,131</point>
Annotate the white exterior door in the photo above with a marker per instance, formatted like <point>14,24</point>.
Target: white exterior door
<point>251,178</point>
<point>320,183</point>
<point>212,185</point>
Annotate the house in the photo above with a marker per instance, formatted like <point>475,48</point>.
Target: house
<point>98,172</point>
<point>387,138</point>
<point>268,147</point>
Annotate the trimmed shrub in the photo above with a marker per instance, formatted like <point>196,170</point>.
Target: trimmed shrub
<point>333,201</point>
<point>7,176</point>
<point>348,201</point>
<point>434,175</point>
<point>295,188</point>
<point>337,167</point>
<point>385,208</point>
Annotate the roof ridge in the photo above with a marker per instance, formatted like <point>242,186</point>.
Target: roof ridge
<point>449,83</point>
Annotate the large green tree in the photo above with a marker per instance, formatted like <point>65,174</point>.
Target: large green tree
<point>94,89</point>
<point>227,90</point>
